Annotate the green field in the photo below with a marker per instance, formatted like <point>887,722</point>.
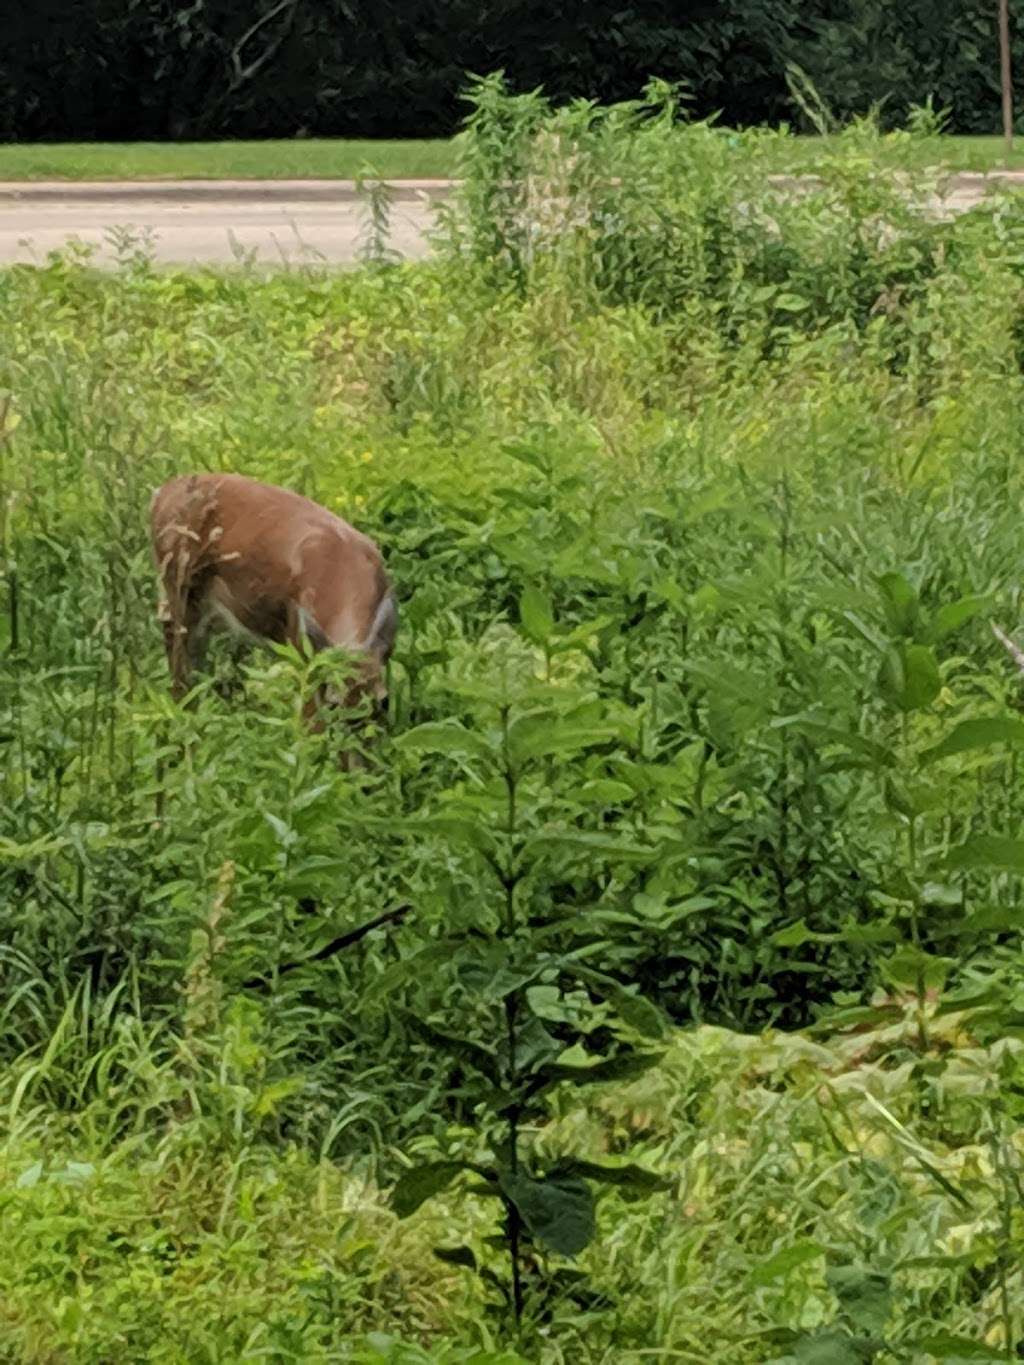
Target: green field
<point>320,158</point>
<point>700,1037</point>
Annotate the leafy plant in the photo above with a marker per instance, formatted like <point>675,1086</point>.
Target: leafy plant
<point>532,1011</point>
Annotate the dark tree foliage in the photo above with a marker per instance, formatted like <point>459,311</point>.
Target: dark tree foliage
<point>154,69</point>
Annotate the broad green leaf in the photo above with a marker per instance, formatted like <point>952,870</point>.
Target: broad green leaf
<point>605,791</point>
<point>536,615</point>
<point>785,1260</point>
<point>446,737</point>
<point>558,1211</point>
<point>493,982</point>
<point>579,635</point>
<point>963,1258</point>
<point>865,1297</point>
<point>988,919</point>
<point>456,1256</point>
<point>976,734</point>
<point>547,1002</point>
<point>632,1008</point>
<point>668,914</point>
<point>625,1067</point>
<point>536,459</point>
<point>910,964</point>
<point>899,601</point>
<point>286,836</point>
<point>953,615</point>
<point>988,851</point>
<point>669,590</point>
<point>834,1348</point>
<point>793,936</point>
<point>864,1017</point>
<point>921,674</point>
<point>534,1044</point>
<point>548,736</point>
<point>705,601</point>
<point>577,842</point>
<point>957,1001</point>
<point>947,1346</point>
<point>74,1173</point>
<point>909,677</point>
<point>626,1176</point>
<point>312,795</point>
<point>417,1185</point>
<point>640,1014</point>
<point>791,303</point>
<point>486,1189</point>
<point>941,894</point>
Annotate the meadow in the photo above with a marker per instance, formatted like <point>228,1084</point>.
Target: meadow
<point>690,1025</point>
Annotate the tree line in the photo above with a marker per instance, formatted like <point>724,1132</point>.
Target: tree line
<point>167,69</point>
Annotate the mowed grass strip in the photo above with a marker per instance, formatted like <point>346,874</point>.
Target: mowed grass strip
<point>294,159</point>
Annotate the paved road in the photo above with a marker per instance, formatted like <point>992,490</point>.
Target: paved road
<point>221,222</point>
<point>204,223</point>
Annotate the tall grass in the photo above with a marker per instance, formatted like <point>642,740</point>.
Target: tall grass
<point>715,486</point>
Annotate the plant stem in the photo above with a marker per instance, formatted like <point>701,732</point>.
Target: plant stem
<point>782,855</point>
<point>915,907</point>
<point>1007,1203</point>
<point>514,1221</point>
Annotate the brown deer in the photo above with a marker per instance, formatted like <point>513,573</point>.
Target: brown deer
<point>235,553</point>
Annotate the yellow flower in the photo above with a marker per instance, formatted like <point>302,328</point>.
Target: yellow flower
<point>366,455</point>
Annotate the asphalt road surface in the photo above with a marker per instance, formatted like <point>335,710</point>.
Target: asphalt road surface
<point>186,227</point>
<point>270,224</point>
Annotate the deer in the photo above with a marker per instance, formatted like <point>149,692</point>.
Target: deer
<point>271,565</point>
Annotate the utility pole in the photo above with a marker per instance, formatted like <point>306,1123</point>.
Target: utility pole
<point>1004,65</point>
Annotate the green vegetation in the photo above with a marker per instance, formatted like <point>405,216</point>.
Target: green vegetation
<point>340,159</point>
<point>700,1038</point>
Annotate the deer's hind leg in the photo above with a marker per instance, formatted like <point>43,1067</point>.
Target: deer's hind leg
<point>185,619</point>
